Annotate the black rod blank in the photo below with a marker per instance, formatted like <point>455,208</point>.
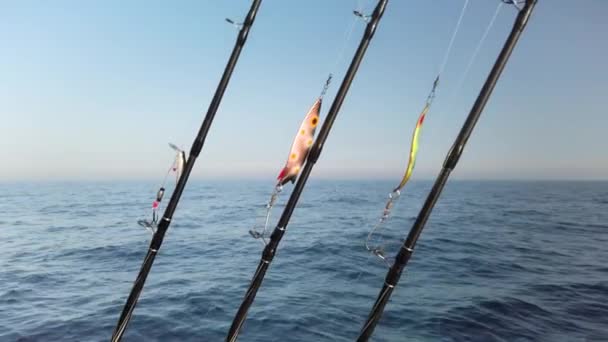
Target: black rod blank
<point>406,250</point>
<point>315,152</point>
<point>197,146</point>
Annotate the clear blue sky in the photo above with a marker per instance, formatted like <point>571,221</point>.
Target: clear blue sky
<point>95,90</point>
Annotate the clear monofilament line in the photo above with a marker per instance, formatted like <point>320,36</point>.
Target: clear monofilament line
<point>361,4</point>
<point>378,248</point>
<point>273,198</point>
<point>478,48</point>
<point>453,38</point>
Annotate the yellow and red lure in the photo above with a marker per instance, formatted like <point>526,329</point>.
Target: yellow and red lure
<point>394,195</point>
<point>413,149</point>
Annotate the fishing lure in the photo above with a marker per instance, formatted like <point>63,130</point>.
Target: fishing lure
<point>297,157</point>
<point>177,167</point>
<point>301,145</point>
<point>378,249</point>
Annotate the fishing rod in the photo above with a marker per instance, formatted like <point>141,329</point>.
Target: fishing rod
<point>195,150</point>
<point>406,250</point>
<point>315,151</point>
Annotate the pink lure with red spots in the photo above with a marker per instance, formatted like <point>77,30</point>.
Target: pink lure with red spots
<point>301,145</point>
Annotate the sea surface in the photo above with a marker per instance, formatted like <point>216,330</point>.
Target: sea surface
<point>498,261</point>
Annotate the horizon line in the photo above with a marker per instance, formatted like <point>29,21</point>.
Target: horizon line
<point>349,179</point>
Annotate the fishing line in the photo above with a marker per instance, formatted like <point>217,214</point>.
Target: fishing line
<point>478,48</point>
<point>453,38</point>
<point>361,4</point>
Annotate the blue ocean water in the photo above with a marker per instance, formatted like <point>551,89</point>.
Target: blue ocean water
<point>498,261</point>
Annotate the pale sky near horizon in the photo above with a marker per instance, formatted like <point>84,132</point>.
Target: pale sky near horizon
<point>96,90</point>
